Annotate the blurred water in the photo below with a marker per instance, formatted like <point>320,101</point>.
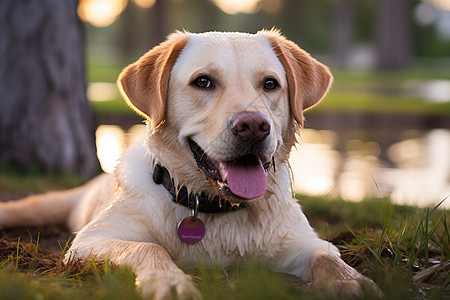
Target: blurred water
<point>416,172</point>
<point>112,140</point>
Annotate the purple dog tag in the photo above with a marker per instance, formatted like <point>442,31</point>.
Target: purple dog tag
<point>191,230</point>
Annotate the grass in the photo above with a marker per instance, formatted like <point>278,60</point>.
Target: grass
<point>340,101</point>
<point>98,71</point>
<point>115,107</point>
<point>404,249</point>
<point>398,250</point>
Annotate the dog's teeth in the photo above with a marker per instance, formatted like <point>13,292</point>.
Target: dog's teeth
<point>223,171</point>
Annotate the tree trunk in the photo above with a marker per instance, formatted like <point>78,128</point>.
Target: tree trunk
<point>45,117</point>
<point>126,38</point>
<point>393,35</point>
<point>342,31</point>
<point>158,22</point>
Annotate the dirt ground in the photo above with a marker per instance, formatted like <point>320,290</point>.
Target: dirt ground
<point>52,238</point>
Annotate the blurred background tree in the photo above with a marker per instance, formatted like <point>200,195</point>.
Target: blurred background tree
<point>45,118</point>
<point>394,33</point>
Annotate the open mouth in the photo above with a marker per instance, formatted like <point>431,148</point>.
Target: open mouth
<point>243,178</point>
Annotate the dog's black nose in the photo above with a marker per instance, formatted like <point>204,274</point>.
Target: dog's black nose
<point>250,126</point>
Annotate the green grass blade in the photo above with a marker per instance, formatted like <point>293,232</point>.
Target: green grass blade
<point>17,253</point>
<point>426,237</point>
<point>439,204</point>
<point>446,237</point>
<point>37,243</point>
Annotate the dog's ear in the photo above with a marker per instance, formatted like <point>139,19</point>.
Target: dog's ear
<point>308,80</point>
<point>144,83</point>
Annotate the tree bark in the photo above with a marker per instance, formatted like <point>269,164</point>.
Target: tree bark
<point>45,117</point>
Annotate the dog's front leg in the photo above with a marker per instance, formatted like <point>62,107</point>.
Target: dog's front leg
<point>156,273</point>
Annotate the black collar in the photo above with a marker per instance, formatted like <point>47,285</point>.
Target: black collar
<point>215,205</point>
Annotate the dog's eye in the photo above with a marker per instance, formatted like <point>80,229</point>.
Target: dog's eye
<point>271,84</point>
<point>202,82</point>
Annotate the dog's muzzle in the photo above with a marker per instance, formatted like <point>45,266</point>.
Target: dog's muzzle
<point>243,177</point>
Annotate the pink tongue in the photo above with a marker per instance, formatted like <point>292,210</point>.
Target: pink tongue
<point>246,179</point>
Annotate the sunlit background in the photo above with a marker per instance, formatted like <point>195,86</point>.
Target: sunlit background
<point>384,130</point>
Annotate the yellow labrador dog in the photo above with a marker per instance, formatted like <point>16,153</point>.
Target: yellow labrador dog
<point>211,182</point>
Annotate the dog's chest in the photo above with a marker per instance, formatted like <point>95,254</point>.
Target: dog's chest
<point>230,238</point>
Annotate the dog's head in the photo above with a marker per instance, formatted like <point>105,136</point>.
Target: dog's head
<point>232,100</point>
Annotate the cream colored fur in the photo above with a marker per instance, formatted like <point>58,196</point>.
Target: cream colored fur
<point>130,220</point>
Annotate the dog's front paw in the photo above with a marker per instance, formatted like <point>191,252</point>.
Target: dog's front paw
<point>348,288</point>
<point>159,287</point>
<point>332,274</point>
